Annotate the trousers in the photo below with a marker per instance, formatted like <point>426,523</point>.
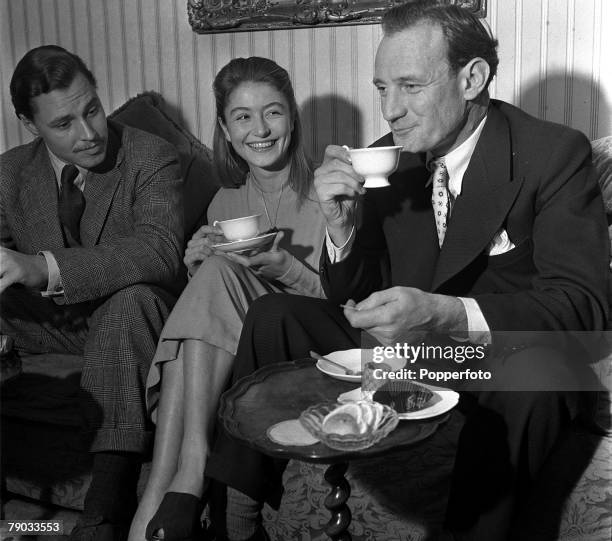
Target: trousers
<point>116,337</point>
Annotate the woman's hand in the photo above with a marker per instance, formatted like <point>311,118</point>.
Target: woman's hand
<point>200,246</point>
<point>271,264</point>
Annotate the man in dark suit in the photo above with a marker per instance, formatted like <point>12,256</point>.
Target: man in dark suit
<point>91,241</point>
<point>516,241</point>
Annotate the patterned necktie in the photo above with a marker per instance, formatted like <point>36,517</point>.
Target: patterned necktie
<point>71,205</point>
<point>440,199</point>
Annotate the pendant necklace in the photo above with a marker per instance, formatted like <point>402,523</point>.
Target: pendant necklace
<point>263,200</point>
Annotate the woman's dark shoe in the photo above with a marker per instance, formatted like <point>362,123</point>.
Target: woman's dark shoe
<point>178,518</point>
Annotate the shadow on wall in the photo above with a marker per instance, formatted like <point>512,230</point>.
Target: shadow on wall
<point>573,100</point>
<point>328,120</point>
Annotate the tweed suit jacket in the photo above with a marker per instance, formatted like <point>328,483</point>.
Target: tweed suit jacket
<point>530,177</point>
<point>131,229</point>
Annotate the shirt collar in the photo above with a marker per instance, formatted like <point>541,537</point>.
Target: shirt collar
<point>58,164</point>
<point>458,159</point>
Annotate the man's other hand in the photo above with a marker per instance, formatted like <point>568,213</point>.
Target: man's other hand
<point>18,268</point>
<point>338,188</point>
<point>406,314</point>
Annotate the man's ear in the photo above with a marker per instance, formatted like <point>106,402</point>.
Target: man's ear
<point>29,125</point>
<point>224,128</point>
<point>475,76</point>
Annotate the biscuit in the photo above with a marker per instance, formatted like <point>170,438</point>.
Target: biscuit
<point>290,433</point>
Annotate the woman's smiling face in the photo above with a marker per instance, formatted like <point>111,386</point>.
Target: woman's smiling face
<point>257,122</point>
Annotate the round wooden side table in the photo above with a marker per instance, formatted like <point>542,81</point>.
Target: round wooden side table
<point>279,392</point>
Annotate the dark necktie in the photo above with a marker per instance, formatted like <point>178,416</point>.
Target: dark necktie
<point>71,205</point>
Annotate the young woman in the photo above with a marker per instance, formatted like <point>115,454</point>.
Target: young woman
<point>259,157</point>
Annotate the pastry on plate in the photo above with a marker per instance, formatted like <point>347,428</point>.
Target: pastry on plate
<point>404,398</point>
<point>354,418</point>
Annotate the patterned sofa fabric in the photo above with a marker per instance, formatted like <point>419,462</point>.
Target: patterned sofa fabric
<point>602,161</point>
<point>401,497</point>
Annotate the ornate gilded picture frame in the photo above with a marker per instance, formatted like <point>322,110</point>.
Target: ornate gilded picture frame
<point>212,16</point>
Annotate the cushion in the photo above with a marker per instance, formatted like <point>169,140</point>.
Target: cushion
<point>149,112</point>
<point>602,160</point>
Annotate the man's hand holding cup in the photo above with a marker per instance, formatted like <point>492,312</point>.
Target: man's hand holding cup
<point>338,189</point>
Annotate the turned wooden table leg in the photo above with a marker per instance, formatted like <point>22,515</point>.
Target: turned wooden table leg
<point>335,502</point>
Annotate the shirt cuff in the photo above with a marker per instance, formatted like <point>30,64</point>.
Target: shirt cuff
<point>478,329</point>
<point>338,253</point>
<point>55,287</point>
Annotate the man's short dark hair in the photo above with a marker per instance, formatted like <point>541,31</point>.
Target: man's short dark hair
<point>42,70</point>
<point>466,36</point>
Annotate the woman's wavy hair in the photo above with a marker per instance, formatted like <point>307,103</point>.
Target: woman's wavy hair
<point>231,169</point>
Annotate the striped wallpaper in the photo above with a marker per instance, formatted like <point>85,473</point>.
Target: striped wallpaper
<point>554,62</point>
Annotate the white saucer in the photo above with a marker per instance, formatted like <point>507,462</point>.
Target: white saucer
<point>353,359</point>
<point>443,400</point>
<point>238,246</point>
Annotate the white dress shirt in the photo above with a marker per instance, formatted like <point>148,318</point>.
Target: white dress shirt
<point>55,287</point>
<point>457,162</point>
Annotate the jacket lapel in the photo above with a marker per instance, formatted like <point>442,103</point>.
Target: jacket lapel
<point>487,194</point>
<point>100,188</point>
<point>39,202</point>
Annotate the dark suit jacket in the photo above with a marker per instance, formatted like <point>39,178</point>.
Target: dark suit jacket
<point>131,230</point>
<point>532,178</point>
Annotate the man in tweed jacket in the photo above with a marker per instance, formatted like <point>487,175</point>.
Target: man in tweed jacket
<point>88,257</point>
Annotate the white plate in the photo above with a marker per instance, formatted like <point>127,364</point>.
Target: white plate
<point>352,359</point>
<point>246,244</point>
<point>443,400</point>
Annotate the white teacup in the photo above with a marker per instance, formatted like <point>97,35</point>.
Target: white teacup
<point>243,228</point>
<point>375,164</point>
